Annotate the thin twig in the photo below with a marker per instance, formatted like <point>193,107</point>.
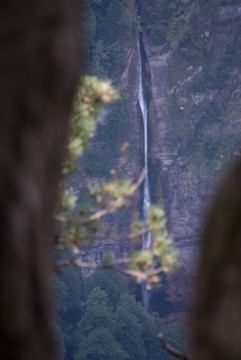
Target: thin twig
<point>137,233</point>
<point>130,236</point>
<point>97,215</point>
<point>172,350</point>
<point>140,180</point>
<point>122,261</point>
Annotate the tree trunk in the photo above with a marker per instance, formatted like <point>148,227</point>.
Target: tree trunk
<point>217,317</point>
<point>39,68</point>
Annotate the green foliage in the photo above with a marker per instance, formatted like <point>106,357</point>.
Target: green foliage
<point>109,281</point>
<point>97,320</point>
<point>193,46</point>
<point>124,330</point>
<point>132,28</point>
<point>210,6</point>
<point>109,28</point>
<point>59,341</point>
<point>100,344</point>
<point>222,72</point>
<point>111,324</point>
<point>67,300</point>
<point>97,313</point>
<point>166,21</point>
<point>210,149</point>
<point>218,77</point>
<point>90,97</point>
<point>176,335</point>
<point>60,293</point>
<point>128,328</point>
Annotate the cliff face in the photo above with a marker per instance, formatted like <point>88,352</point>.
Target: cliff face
<point>130,133</point>
<point>195,122</point>
<point>194,87</point>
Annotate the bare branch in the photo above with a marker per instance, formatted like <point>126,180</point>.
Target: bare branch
<point>172,350</point>
<point>97,215</point>
<point>74,262</point>
<point>130,236</point>
<point>137,233</point>
<point>111,266</point>
<point>156,271</point>
<point>140,180</point>
<point>141,275</point>
<point>123,261</point>
<point>60,243</point>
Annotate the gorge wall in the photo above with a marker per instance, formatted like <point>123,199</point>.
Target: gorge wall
<point>193,76</point>
<point>195,124</point>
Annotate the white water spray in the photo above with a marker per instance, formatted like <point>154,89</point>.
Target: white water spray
<point>146,238</point>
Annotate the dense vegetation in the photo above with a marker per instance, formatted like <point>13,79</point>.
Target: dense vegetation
<point>110,25</point>
<point>170,20</point>
<point>98,319</point>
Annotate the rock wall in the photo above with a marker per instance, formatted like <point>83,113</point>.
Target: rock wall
<point>194,134</point>
<point>119,222</point>
<point>194,130</point>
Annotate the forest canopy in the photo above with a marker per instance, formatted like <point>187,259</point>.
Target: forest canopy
<point>110,324</point>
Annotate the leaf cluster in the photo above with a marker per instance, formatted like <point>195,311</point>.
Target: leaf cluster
<point>90,97</point>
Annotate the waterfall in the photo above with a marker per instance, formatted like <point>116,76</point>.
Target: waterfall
<point>146,239</point>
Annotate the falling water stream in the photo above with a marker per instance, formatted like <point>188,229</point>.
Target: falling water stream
<point>146,239</point>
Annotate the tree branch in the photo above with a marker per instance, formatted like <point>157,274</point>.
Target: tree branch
<point>139,181</point>
<point>60,243</point>
<point>97,215</point>
<point>111,266</point>
<point>172,350</point>
<point>142,275</point>
<point>130,236</point>
<point>109,210</point>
